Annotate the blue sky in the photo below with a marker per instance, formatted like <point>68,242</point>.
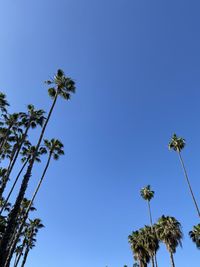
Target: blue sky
<point>136,65</point>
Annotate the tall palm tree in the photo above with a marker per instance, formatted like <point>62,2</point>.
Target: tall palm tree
<point>27,152</point>
<point>64,87</point>
<point>147,194</point>
<point>177,144</point>
<point>195,235</point>
<point>55,148</point>
<point>138,248</point>
<point>16,235</point>
<point>30,120</point>
<point>168,230</point>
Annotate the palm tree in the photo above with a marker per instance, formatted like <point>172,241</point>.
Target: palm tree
<point>168,230</point>
<point>27,152</point>
<point>64,87</point>
<point>195,235</point>
<point>3,103</point>
<point>138,248</point>
<point>30,237</point>
<point>11,120</point>
<point>30,120</point>
<point>147,194</point>
<point>177,144</point>
<point>150,240</point>
<point>16,236</point>
<point>55,148</point>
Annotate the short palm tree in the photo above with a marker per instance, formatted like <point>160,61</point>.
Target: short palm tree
<point>168,230</point>
<point>138,248</point>
<point>177,144</point>
<point>150,240</point>
<point>195,235</point>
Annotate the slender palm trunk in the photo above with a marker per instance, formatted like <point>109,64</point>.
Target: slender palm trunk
<point>39,184</point>
<point>152,262</point>
<point>11,190</point>
<point>28,209</point>
<point>188,182</point>
<point>4,246</point>
<point>172,259</point>
<point>151,222</point>
<point>25,256</point>
<point>16,259</point>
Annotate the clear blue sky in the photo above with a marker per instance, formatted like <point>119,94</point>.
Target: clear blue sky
<point>137,68</point>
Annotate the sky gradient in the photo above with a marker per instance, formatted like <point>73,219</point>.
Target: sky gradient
<point>136,65</point>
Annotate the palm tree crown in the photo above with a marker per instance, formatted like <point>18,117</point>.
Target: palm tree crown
<point>64,85</point>
<point>168,230</point>
<point>147,193</point>
<point>138,248</point>
<point>195,235</point>
<point>176,143</point>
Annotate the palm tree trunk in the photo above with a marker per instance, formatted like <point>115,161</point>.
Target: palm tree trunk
<point>152,262</point>
<point>25,256</point>
<point>188,182</point>
<point>38,187</point>
<point>156,260</point>
<point>150,215</point>
<point>151,222</point>
<point>4,246</point>
<point>11,190</point>
<point>172,259</point>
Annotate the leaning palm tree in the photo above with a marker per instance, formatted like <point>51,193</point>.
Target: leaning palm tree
<point>138,248</point>
<point>27,152</point>
<point>147,194</point>
<point>61,86</point>
<point>177,144</point>
<point>195,235</point>
<point>168,230</point>
<point>55,148</point>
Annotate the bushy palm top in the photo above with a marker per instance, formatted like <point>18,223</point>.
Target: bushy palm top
<point>138,248</point>
<point>168,230</point>
<point>147,193</point>
<point>62,85</point>
<point>176,143</point>
<point>195,235</point>
<point>55,147</point>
